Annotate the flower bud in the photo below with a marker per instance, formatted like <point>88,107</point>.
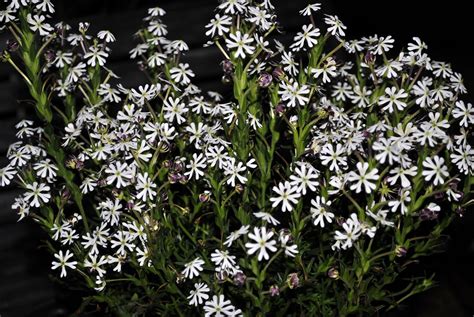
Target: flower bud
<point>204,197</point>
<point>221,277</point>
<point>280,109</point>
<point>278,72</point>
<point>400,251</point>
<point>227,67</point>
<point>50,56</point>
<point>369,58</point>
<point>239,279</point>
<point>226,79</point>
<point>12,45</point>
<point>83,27</point>
<point>333,273</point>
<point>239,188</point>
<point>274,291</point>
<point>166,164</point>
<point>293,280</point>
<point>265,80</point>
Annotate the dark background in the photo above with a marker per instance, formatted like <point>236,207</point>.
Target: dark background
<point>26,290</point>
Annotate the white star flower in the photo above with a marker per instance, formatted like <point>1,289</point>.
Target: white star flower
<point>263,241</point>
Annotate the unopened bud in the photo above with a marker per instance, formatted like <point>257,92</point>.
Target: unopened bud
<point>333,273</point>
<point>293,280</point>
<point>400,251</point>
<point>265,80</point>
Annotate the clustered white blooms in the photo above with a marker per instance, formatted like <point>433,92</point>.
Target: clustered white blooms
<point>369,137</point>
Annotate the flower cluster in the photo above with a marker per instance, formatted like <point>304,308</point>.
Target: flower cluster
<point>310,188</point>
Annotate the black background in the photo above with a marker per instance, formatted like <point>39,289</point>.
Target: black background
<point>447,28</point>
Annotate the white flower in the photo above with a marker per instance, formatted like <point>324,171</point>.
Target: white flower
<point>63,262</point>
<point>45,169</point>
<point>400,203</point>
<point>233,6</point>
<point>435,168</point>
<point>219,306</point>
<point>305,176</point>
<point>465,112</point>
<point>36,23</point>
<point>223,260</point>
<point>335,25</point>
<point>95,265</point>
<point>174,110</point>
<point>290,65</point>
<point>193,268</point>
<point>287,195</point>
<point>199,294</point>
<point>241,43</point>
<point>310,8</point>
<point>384,44</point>
<point>6,175</point>
<point>236,235</point>
<point>145,187</point>
<point>463,157</point>
<point>352,231</point>
<point>293,93</point>
<point>219,24</point>
<point>327,71</point>
<point>334,156</point>
<point>290,250</point>
<point>38,194</point>
<point>156,59</point>
<point>123,241</point>
<point>363,177</point>
<point>393,98</point>
<point>400,172</point>
<point>120,173</point>
<point>235,170</point>
<point>95,56</point>
<point>308,36</point>
<point>265,216</point>
<point>196,166</point>
<point>320,211</point>
<point>107,36</point>
<point>181,74</point>
<point>263,241</point>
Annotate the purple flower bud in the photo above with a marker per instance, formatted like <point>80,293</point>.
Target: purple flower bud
<point>141,66</point>
<point>183,179</point>
<point>239,188</point>
<point>65,195</point>
<point>369,58</point>
<point>265,80</point>
<point>366,134</point>
<point>166,164</point>
<point>280,109</point>
<point>340,220</point>
<point>130,205</point>
<point>102,182</point>
<point>221,277</point>
<point>12,45</point>
<point>274,291</point>
<point>400,251</point>
<point>227,66</point>
<point>173,178</point>
<point>428,214</point>
<point>239,279</point>
<point>333,273</point>
<point>178,166</point>
<point>204,197</point>
<point>50,56</point>
<point>293,280</point>
<point>278,72</point>
<point>439,196</point>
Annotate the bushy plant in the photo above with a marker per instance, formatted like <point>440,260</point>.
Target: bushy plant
<point>311,190</point>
